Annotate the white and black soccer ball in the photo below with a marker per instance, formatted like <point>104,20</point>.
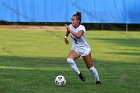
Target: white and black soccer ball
<point>60,80</point>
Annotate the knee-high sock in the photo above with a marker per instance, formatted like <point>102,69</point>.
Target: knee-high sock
<point>95,73</point>
<point>73,65</point>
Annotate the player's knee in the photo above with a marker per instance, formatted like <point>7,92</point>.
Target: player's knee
<point>70,60</point>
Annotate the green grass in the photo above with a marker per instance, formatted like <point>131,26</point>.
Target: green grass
<point>30,61</point>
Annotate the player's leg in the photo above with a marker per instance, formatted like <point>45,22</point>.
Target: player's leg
<point>71,57</point>
<point>89,64</point>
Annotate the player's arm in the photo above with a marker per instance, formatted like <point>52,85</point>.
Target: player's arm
<point>77,35</point>
<point>67,33</point>
<point>65,37</point>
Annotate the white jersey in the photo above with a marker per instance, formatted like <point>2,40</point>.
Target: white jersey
<point>79,43</point>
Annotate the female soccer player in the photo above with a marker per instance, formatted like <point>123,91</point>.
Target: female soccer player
<point>80,47</point>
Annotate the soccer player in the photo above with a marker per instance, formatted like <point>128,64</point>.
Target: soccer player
<point>80,47</point>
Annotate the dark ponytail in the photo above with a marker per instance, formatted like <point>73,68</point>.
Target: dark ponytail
<point>78,16</point>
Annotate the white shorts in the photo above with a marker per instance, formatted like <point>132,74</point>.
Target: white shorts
<point>82,51</point>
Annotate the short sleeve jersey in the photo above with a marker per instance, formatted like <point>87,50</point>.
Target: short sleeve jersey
<point>79,43</point>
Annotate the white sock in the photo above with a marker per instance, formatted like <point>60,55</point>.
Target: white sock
<point>95,73</point>
<point>73,65</point>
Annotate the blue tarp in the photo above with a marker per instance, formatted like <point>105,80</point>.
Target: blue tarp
<point>93,11</point>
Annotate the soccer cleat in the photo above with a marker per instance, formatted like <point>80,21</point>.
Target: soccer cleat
<point>81,77</point>
<point>98,82</point>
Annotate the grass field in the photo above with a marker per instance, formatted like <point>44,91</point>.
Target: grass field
<point>30,61</point>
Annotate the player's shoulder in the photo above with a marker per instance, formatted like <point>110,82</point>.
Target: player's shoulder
<point>70,25</point>
<point>82,27</point>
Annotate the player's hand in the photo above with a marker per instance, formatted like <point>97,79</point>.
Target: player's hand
<point>66,41</point>
<point>67,27</point>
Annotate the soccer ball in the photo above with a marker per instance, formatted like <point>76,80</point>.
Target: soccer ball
<point>60,80</point>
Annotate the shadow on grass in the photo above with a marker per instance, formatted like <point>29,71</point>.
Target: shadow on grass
<point>37,74</point>
<point>54,63</point>
<point>55,66</point>
<point>125,53</point>
<point>32,61</point>
<point>123,42</point>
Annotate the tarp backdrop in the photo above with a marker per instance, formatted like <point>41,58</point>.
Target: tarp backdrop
<point>93,11</point>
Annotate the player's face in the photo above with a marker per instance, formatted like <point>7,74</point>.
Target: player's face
<point>74,21</point>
